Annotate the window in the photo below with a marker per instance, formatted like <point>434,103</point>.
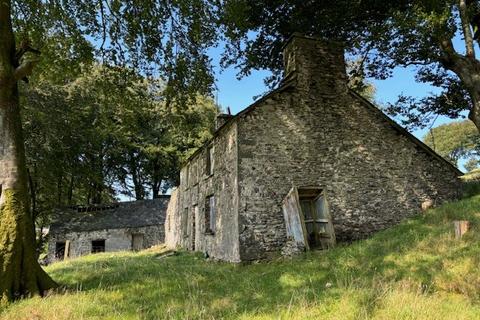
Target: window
<point>210,161</point>
<point>210,215</point>
<point>98,246</point>
<point>60,250</point>
<point>184,177</point>
<point>194,218</point>
<point>185,223</point>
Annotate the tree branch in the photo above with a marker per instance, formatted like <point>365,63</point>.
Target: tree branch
<point>24,48</point>
<point>25,68</point>
<point>467,32</point>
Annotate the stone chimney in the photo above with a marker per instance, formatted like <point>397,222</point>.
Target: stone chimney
<point>315,63</point>
<point>221,119</point>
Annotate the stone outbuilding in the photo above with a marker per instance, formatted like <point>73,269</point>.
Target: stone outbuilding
<point>309,164</point>
<point>122,226</point>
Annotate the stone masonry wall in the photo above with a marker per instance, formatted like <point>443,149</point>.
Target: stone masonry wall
<point>195,186</point>
<point>115,240</point>
<point>318,133</point>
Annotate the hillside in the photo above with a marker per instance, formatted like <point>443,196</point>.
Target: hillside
<point>416,270</point>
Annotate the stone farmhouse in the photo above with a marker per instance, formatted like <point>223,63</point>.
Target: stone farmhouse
<point>122,226</point>
<point>309,164</point>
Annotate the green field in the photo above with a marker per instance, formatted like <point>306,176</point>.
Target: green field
<point>416,270</point>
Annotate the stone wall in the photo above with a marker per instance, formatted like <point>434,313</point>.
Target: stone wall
<point>195,186</point>
<point>115,240</point>
<point>318,133</point>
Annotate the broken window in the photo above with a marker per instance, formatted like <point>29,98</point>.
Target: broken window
<point>60,250</point>
<point>210,215</point>
<point>98,246</point>
<point>210,161</point>
<point>307,218</point>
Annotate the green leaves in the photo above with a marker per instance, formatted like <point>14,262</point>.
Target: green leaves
<point>106,133</point>
<point>168,39</point>
<point>455,141</point>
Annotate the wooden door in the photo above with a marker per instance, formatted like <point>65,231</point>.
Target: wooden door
<point>324,222</point>
<point>293,216</point>
<point>311,225</point>
<point>137,242</point>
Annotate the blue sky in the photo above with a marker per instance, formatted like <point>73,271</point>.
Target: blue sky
<point>239,94</point>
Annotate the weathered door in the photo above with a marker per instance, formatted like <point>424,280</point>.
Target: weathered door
<point>324,222</point>
<point>137,242</point>
<point>294,221</point>
<point>310,218</point>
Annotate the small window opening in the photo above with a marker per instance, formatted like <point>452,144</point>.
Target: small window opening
<point>210,161</point>
<point>185,223</point>
<point>98,246</point>
<point>210,215</point>
<point>60,250</point>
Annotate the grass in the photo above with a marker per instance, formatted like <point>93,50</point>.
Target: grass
<point>416,270</point>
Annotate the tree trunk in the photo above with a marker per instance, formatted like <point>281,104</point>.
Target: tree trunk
<point>137,183</point>
<point>474,114</point>
<point>70,191</point>
<point>20,273</point>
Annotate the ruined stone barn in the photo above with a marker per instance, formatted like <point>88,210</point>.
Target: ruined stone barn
<point>309,164</point>
<point>122,226</point>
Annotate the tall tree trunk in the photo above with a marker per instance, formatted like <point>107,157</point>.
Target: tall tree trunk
<point>467,68</point>
<point>20,273</point>
<point>137,183</point>
<point>474,114</point>
<point>70,190</point>
<point>156,180</point>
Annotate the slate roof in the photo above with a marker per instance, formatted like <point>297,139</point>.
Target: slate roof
<point>120,215</point>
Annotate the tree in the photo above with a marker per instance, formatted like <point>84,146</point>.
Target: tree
<point>384,34</point>
<point>168,38</point>
<point>138,138</point>
<point>472,164</point>
<point>454,141</point>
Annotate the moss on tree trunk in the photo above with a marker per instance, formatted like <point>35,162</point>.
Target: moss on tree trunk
<point>20,272</point>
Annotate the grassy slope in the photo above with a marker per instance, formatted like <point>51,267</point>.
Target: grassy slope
<point>416,270</point>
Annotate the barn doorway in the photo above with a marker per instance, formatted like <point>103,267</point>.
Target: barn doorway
<point>137,241</point>
<point>307,218</point>
<point>98,246</point>
<point>60,250</point>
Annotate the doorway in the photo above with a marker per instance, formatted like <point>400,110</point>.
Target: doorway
<point>137,241</point>
<point>60,250</point>
<point>98,246</point>
<point>307,218</point>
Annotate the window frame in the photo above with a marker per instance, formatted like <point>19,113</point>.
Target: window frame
<point>210,161</point>
<point>210,215</point>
